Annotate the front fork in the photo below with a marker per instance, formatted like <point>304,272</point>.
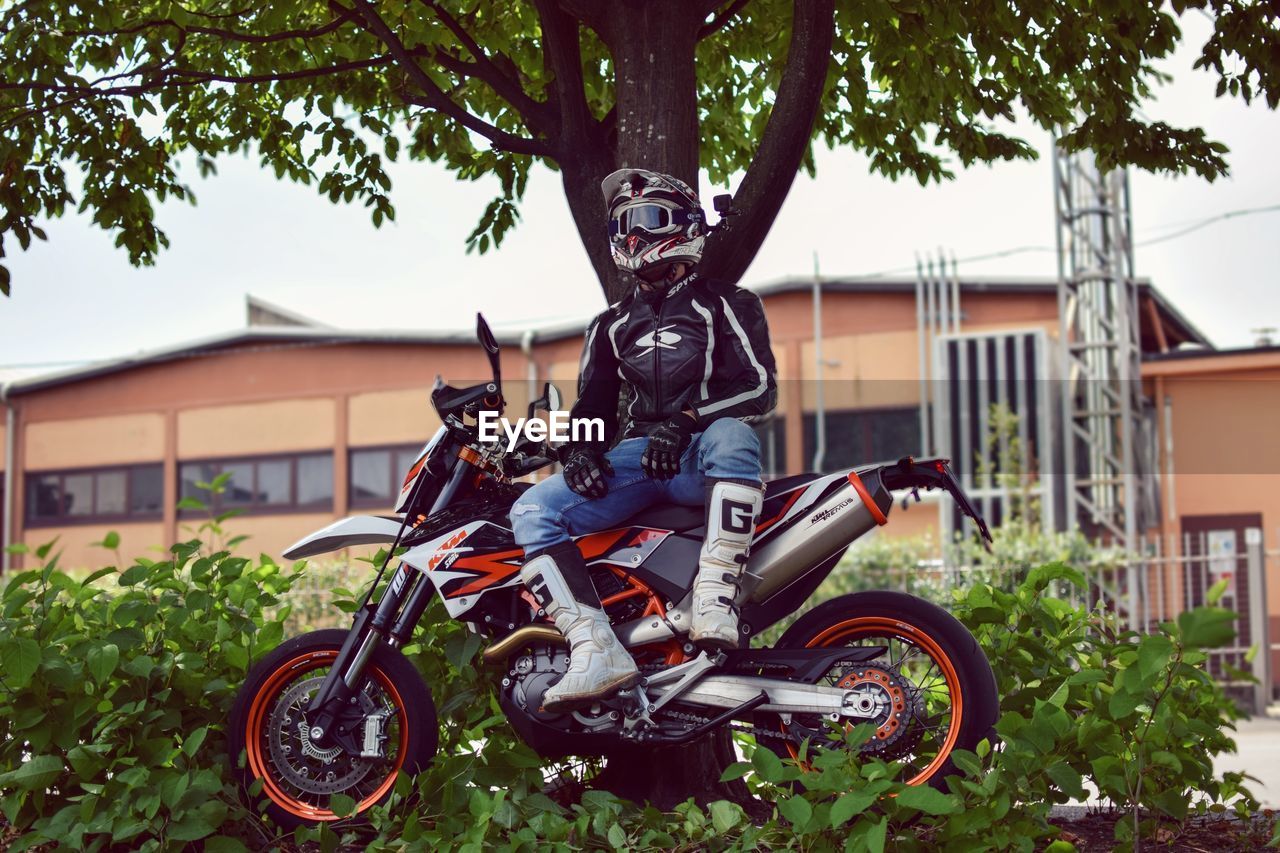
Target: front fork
<point>392,621</point>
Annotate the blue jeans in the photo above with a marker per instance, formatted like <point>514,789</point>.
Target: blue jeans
<point>551,512</point>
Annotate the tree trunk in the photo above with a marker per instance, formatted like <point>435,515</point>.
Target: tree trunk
<point>666,777</point>
<point>653,46</point>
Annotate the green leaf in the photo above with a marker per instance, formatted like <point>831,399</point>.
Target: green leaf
<point>875,836</point>
<point>191,826</point>
<point>342,805</point>
<point>35,774</point>
<point>224,844</point>
<point>929,800</point>
<point>20,657</point>
<point>1123,703</point>
<point>1206,627</point>
<point>736,770</point>
<point>1067,779</point>
<point>796,810</point>
<point>768,765</point>
<point>1214,594</point>
<point>724,815</point>
<point>617,836</point>
<point>193,741</point>
<point>102,661</point>
<point>134,575</point>
<point>851,804</point>
<point>1154,652</point>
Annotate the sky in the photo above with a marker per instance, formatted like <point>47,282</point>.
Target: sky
<point>76,298</point>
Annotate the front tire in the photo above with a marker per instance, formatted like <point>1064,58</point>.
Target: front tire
<point>298,778</point>
<point>933,665</point>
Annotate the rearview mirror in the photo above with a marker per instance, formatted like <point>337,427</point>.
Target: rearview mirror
<point>490,344</point>
<point>549,401</point>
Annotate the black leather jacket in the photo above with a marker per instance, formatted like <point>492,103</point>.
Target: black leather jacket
<point>697,345</point>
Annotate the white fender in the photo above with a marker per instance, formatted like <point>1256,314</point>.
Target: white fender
<point>353,530</point>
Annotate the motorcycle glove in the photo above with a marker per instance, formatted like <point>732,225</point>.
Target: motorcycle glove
<point>585,468</point>
<point>661,459</point>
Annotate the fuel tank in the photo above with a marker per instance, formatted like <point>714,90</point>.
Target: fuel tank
<point>848,506</point>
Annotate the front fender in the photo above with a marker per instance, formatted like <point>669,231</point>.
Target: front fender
<point>353,530</point>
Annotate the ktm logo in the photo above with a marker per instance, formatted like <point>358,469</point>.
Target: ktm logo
<point>664,340</point>
<point>449,544</point>
<point>735,517</point>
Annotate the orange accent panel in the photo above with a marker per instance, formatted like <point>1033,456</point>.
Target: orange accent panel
<point>765,525</point>
<point>861,489</point>
<point>595,544</point>
<point>494,569</point>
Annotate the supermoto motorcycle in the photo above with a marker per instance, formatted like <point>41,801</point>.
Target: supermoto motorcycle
<point>343,712</point>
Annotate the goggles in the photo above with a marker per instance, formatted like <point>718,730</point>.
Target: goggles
<point>653,218</point>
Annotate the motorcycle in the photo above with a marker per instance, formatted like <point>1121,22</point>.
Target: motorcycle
<point>344,712</point>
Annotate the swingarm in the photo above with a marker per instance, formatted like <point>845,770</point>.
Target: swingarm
<point>703,682</point>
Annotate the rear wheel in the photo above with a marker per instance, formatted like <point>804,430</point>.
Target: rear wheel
<point>933,688</point>
<point>268,737</point>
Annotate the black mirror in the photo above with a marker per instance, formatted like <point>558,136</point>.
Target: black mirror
<point>548,402</point>
<point>490,344</point>
<point>723,204</point>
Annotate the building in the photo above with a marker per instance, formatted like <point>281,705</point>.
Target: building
<point>314,423</point>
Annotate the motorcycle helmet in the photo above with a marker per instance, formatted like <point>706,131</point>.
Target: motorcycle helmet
<point>654,221</point>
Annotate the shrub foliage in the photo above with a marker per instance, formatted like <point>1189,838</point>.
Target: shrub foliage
<point>115,689</point>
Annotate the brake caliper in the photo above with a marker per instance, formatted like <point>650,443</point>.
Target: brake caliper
<point>375,734</point>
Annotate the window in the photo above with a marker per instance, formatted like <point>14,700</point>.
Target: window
<point>378,472</point>
<point>864,436</point>
<point>101,494</point>
<point>267,484</point>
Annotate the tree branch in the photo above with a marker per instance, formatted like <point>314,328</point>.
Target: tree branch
<point>563,53</point>
<point>434,98</point>
<point>190,76</point>
<point>590,12</point>
<point>229,35</point>
<point>534,113</point>
<point>722,19</point>
<point>782,148</point>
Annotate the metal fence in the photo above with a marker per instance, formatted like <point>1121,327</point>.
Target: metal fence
<point>1169,577</point>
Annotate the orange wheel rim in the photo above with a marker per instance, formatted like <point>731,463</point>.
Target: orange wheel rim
<point>257,715</point>
<point>877,626</point>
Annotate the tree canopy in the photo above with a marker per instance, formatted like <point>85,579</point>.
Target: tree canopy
<point>109,108</point>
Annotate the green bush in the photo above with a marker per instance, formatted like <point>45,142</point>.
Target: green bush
<point>114,695</point>
<point>116,690</point>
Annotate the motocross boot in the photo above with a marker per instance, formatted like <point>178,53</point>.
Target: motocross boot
<point>598,664</point>
<point>732,509</point>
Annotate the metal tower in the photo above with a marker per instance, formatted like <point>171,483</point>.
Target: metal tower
<point>1102,401</point>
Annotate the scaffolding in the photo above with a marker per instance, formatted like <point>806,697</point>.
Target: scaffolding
<point>1102,400</point>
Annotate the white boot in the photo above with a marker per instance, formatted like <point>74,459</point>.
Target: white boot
<point>732,509</point>
<point>598,664</point>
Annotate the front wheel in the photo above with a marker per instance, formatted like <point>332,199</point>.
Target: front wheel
<point>268,737</point>
<point>933,687</point>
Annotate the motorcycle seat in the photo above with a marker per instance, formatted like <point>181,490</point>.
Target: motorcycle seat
<point>677,517</point>
<point>682,518</point>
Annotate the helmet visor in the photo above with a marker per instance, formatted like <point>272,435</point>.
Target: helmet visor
<point>653,218</point>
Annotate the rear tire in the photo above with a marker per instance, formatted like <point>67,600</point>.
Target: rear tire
<point>275,753</point>
<point>923,638</point>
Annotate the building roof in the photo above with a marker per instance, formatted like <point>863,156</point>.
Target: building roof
<point>1177,326</point>
<point>1191,361</point>
<point>1177,329</point>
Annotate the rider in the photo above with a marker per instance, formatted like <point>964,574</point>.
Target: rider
<point>695,355</point>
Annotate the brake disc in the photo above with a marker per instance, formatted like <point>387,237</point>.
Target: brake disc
<point>301,763</point>
<point>892,705</point>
